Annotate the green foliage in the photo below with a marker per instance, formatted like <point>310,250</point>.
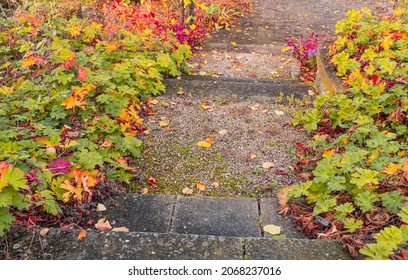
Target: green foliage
<point>360,140</point>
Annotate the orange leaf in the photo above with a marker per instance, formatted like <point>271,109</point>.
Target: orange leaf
<point>210,140</point>
<point>392,168</point>
<point>76,192</point>
<point>120,229</point>
<point>200,186</point>
<point>72,102</point>
<point>44,231</point>
<point>328,153</point>
<point>82,234</point>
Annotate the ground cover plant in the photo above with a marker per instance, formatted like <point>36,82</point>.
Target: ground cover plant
<point>75,85</point>
<point>355,165</point>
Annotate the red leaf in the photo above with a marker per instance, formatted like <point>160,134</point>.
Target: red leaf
<point>59,165</point>
<point>375,79</point>
<point>151,181</point>
<point>68,63</point>
<point>82,73</point>
<point>281,172</point>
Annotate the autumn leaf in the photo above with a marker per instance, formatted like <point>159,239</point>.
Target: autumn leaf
<point>187,191</point>
<point>204,144</point>
<point>44,231</point>
<point>82,73</point>
<point>328,153</point>
<point>210,140</point>
<point>59,165</point>
<point>82,234</point>
<point>223,132</point>
<point>278,112</point>
<point>100,207</point>
<point>233,44</point>
<point>73,101</point>
<point>76,192</point>
<point>268,165</point>
<point>151,181</point>
<point>163,124</point>
<point>252,156</point>
<point>154,101</point>
<point>284,195</point>
<point>285,49</point>
<point>254,107</point>
<point>103,225</point>
<point>215,184</point>
<point>200,186</point>
<point>392,168</point>
<point>272,229</point>
<point>120,229</point>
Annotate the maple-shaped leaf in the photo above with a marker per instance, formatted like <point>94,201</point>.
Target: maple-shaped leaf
<point>69,62</point>
<point>392,168</point>
<point>387,42</point>
<point>82,73</point>
<point>28,61</point>
<point>76,192</point>
<point>59,165</point>
<point>73,101</point>
<point>364,177</point>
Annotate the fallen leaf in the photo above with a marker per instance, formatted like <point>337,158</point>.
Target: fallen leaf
<point>44,231</point>
<point>204,144</point>
<point>272,229</point>
<point>283,195</point>
<point>151,181</point>
<point>254,107</point>
<point>103,224</point>
<point>165,104</point>
<point>311,92</point>
<point>120,229</point>
<point>82,234</point>
<point>264,111</point>
<point>252,156</point>
<point>223,132</point>
<point>82,73</point>
<point>210,140</point>
<point>284,49</point>
<point>100,207</point>
<point>233,43</point>
<point>163,124</point>
<point>154,101</point>
<point>187,191</point>
<point>215,184</point>
<point>268,165</point>
<point>200,186</point>
<point>59,165</point>
<point>279,113</point>
<point>144,191</point>
<point>163,118</point>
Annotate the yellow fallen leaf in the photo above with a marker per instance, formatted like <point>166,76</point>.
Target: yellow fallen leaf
<point>100,207</point>
<point>284,49</point>
<point>238,30</point>
<point>272,229</point>
<point>204,144</point>
<point>223,132</point>
<point>254,107</point>
<point>154,101</point>
<point>267,27</point>
<point>200,186</point>
<point>165,104</point>
<point>279,113</point>
<point>44,231</point>
<point>252,156</point>
<point>187,191</point>
<point>120,229</point>
<point>233,43</point>
<point>268,165</point>
<point>82,234</point>
<point>392,168</point>
<point>163,124</point>
<point>144,191</point>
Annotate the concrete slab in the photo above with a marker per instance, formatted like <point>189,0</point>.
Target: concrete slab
<point>216,216</point>
<point>269,215</point>
<point>61,245</point>
<point>242,88</point>
<point>143,213</point>
<point>294,249</point>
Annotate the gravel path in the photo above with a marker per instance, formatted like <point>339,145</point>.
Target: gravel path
<point>247,136</point>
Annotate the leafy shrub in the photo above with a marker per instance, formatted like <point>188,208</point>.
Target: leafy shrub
<point>359,181</point>
<point>305,53</point>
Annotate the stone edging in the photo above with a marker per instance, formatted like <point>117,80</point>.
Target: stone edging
<point>326,79</point>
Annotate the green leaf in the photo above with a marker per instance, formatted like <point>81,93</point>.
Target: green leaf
<point>393,201</point>
<point>5,220</point>
<point>49,203</point>
<point>392,235</point>
<point>14,177</point>
<point>403,214</point>
<point>337,183</point>
<point>6,197</point>
<point>352,224</point>
<point>365,200</point>
<point>377,251</point>
<point>312,119</point>
<point>363,177</point>
<point>324,205</point>
<point>342,210</point>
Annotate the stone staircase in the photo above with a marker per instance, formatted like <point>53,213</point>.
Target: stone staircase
<point>179,227</point>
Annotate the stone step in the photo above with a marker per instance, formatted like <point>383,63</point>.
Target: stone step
<point>59,244</point>
<point>211,87</point>
<point>218,216</point>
